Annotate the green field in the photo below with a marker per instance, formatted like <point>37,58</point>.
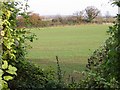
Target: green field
<point>72,44</point>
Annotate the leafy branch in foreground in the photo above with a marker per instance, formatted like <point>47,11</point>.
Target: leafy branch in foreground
<point>13,46</point>
<point>103,68</point>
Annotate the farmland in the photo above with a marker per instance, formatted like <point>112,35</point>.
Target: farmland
<point>72,44</point>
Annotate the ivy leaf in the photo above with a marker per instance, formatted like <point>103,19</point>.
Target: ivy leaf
<point>5,54</point>
<point>8,33</point>
<point>1,72</point>
<point>11,70</point>
<point>2,33</point>
<point>7,78</point>
<point>5,64</point>
<point>12,9</point>
<point>1,86</point>
<point>8,44</point>
<point>1,13</point>
<point>5,22</point>
<point>12,56</point>
<point>4,85</point>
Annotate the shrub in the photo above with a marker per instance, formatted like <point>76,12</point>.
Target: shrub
<point>30,76</point>
<point>103,69</point>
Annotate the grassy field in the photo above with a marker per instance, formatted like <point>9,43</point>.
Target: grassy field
<point>72,44</point>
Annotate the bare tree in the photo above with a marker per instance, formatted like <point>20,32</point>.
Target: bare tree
<point>79,15</point>
<point>91,13</point>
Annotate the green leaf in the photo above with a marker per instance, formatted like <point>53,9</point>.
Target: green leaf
<point>3,85</point>
<point>5,64</point>
<point>7,78</point>
<point>1,72</point>
<point>12,56</point>
<point>7,42</point>
<point>1,13</point>
<point>11,70</point>
<point>7,23</point>
<point>12,9</point>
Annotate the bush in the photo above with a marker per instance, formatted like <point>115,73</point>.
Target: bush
<point>103,68</point>
<point>30,76</point>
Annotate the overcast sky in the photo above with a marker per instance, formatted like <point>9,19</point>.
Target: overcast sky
<point>68,7</point>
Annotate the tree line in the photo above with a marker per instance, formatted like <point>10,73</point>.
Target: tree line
<point>90,15</point>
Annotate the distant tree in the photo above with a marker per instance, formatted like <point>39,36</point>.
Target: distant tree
<point>35,19</point>
<point>20,22</point>
<point>91,13</point>
<point>58,20</point>
<point>99,19</point>
<point>79,16</point>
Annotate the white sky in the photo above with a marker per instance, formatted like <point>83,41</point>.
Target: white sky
<point>68,7</point>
